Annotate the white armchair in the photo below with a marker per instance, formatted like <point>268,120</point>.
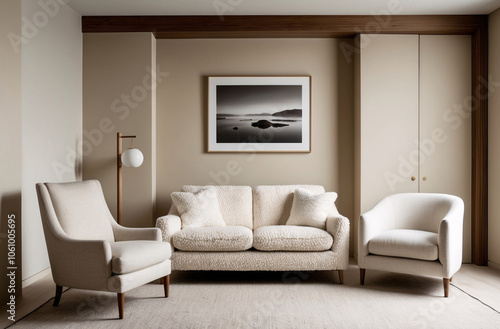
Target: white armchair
<point>413,233</point>
<point>89,250</point>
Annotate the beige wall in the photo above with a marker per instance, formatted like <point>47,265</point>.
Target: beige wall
<point>494,140</point>
<point>118,96</point>
<point>10,132</point>
<point>51,114</point>
<point>181,121</point>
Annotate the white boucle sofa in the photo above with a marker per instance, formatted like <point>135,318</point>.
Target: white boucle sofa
<point>255,237</point>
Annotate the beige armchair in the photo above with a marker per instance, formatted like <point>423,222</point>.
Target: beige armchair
<point>413,233</point>
<point>89,250</point>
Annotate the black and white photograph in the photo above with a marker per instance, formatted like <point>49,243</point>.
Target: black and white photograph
<point>259,114</point>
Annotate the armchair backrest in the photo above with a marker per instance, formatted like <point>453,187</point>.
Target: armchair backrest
<point>77,210</point>
<point>422,211</point>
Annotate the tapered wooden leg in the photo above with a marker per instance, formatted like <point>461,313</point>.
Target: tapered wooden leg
<point>451,279</point>
<point>121,301</point>
<point>57,299</point>
<point>341,276</point>
<point>166,284</point>
<point>362,276</point>
<point>446,284</point>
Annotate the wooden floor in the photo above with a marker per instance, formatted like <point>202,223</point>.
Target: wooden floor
<point>481,282</point>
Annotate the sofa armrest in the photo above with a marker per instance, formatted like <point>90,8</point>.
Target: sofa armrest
<point>123,233</point>
<point>168,225</point>
<point>338,227</point>
<point>84,264</point>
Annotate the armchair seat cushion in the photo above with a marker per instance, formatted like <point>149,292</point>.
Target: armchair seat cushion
<point>413,244</point>
<point>291,238</point>
<point>225,238</point>
<point>131,256</point>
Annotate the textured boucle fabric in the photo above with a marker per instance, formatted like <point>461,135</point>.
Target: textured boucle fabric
<point>199,209</point>
<point>227,238</point>
<point>273,203</point>
<point>310,209</point>
<point>339,227</point>
<point>168,226</point>
<point>291,238</point>
<point>235,203</point>
<point>252,260</point>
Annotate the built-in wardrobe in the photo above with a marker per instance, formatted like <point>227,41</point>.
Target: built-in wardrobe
<point>413,119</point>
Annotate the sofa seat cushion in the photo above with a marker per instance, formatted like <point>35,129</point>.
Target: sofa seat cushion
<point>291,238</point>
<point>131,256</point>
<point>413,244</point>
<point>227,238</point>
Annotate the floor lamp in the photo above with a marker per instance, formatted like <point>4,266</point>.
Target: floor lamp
<point>132,157</point>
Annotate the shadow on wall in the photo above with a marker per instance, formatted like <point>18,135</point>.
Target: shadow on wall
<point>10,246</point>
<point>345,133</point>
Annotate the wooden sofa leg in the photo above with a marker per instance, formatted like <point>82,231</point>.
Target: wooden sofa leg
<point>362,276</point>
<point>166,284</point>
<point>57,299</point>
<point>341,276</point>
<point>121,301</point>
<point>446,284</point>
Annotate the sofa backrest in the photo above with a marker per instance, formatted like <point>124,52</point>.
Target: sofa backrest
<point>235,203</point>
<point>272,203</point>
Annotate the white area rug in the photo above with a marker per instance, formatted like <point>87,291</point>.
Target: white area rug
<point>273,300</point>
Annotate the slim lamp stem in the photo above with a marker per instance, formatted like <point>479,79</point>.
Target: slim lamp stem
<point>119,177</point>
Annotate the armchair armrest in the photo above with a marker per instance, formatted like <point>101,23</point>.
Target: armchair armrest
<point>450,239</point>
<point>168,225</point>
<point>84,264</point>
<point>338,227</point>
<point>123,233</point>
<point>377,220</point>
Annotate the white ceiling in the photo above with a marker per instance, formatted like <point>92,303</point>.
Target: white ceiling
<point>282,7</point>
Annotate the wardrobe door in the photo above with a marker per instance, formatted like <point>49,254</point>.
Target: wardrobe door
<point>388,116</point>
<point>445,120</point>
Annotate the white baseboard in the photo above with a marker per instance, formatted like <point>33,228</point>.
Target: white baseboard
<point>494,265</point>
<point>36,277</point>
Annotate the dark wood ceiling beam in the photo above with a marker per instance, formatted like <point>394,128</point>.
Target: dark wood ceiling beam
<point>281,26</point>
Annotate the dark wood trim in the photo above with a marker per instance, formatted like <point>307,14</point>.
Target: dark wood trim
<point>166,27</point>
<point>185,27</point>
<point>480,145</point>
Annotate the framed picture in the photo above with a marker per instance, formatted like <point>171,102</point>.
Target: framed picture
<point>259,114</point>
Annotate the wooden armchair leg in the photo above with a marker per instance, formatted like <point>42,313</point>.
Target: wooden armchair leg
<point>446,284</point>
<point>57,299</point>
<point>121,301</point>
<point>341,276</point>
<point>166,284</point>
<point>362,276</point>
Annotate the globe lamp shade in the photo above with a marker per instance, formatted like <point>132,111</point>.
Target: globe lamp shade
<point>132,158</point>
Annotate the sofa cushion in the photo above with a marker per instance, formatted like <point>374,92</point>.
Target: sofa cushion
<point>199,209</point>
<point>131,256</point>
<point>405,243</point>
<point>235,203</point>
<point>228,238</point>
<point>310,209</point>
<point>291,238</point>
<point>272,203</point>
